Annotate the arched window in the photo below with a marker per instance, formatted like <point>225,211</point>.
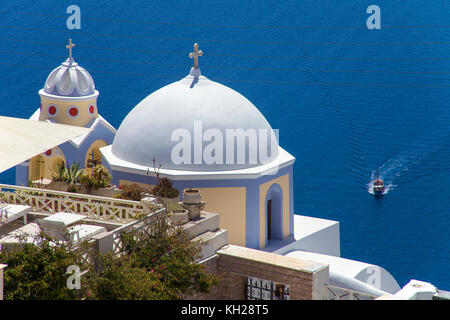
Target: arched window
<point>274,213</point>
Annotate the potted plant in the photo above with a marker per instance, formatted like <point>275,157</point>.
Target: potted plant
<point>164,189</point>
<point>58,178</point>
<point>98,178</point>
<point>66,177</point>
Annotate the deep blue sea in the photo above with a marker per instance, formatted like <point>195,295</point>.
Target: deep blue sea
<point>345,99</point>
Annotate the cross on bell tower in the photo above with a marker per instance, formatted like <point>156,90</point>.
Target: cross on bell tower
<point>70,46</point>
<point>194,55</point>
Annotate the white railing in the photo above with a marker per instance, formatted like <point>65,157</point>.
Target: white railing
<point>112,241</point>
<point>95,207</point>
<point>338,293</point>
<point>143,225</point>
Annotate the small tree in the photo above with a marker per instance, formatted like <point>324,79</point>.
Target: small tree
<point>162,264</point>
<point>158,263</point>
<point>122,280</point>
<point>39,272</point>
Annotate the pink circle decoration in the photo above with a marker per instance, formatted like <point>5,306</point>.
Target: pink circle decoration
<point>91,109</point>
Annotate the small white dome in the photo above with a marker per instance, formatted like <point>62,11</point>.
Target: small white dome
<point>69,80</point>
<point>147,131</point>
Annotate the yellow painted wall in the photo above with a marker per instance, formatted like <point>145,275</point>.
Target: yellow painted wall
<point>230,204</point>
<point>62,116</point>
<point>283,181</point>
<point>41,169</point>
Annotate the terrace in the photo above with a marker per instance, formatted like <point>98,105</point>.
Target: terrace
<point>99,220</point>
<point>27,211</point>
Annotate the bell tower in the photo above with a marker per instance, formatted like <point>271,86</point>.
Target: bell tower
<point>69,95</point>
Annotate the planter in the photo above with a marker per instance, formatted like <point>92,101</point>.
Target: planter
<point>108,192</point>
<point>58,186</point>
<point>192,196</point>
<point>168,202</point>
<point>179,216</point>
<point>193,209</point>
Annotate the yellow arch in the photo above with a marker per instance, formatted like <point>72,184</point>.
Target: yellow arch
<point>41,165</point>
<point>95,146</point>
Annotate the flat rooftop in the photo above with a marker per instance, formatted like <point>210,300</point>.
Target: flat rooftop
<point>306,226</point>
<point>271,258</point>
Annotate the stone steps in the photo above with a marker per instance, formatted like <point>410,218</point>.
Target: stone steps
<point>207,221</point>
<point>214,241</point>
<point>206,228</point>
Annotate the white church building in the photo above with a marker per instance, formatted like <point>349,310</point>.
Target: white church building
<point>205,136</point>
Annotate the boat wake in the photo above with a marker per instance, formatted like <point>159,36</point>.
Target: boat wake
<point>391,170</point>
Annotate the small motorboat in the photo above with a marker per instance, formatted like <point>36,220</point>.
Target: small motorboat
<point>378,185</point>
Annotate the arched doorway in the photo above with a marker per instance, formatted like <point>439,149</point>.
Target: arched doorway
<point>274,213</point>
<point>93,155</point>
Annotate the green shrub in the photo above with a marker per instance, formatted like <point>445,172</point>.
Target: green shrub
<point>170,254</point>
<point>162,264</point>
<point>60,174</point>
<point>123,280</point>
<point>101,177</point>
<point>69,174</point>
<point>39,272</point>
<point>86,180</point>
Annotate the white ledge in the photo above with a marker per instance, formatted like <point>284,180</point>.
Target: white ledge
<point>283,160</point>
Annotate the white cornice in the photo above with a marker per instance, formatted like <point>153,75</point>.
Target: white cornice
<point>283,160</point>
<point>46,95</point>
